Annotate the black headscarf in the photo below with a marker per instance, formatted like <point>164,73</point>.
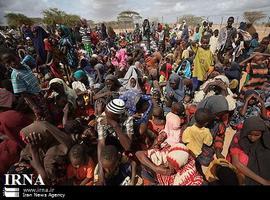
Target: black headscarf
<point>259,151</point>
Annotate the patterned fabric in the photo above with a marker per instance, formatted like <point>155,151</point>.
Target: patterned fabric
<point>186,173</point>
<point>105,130</point>
<point>237,120</point>
<point>23,80</point>
<point>258,75</point>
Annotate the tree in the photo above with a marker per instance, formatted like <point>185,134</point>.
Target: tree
<point>17,19</point>
<point>53,16</point>
<point>191,20</point>
<point>253,16</point>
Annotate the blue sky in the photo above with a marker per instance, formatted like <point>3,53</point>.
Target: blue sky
<point>103,10</point>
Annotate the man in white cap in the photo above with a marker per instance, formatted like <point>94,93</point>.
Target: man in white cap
<point>114,127</point>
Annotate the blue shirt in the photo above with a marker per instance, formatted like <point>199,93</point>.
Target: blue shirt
<point>23,80</point>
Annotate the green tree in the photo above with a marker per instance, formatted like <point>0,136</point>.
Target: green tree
<point>191,20</point>
<point>253,16</point>
<point>17,19</point>
<point>53,16</point>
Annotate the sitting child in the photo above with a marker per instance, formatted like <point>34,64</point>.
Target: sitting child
<point>157,123</point>
<point>197,135</point>
<point>115,170</point>
<point>81,169</point>
<point>172,132</point>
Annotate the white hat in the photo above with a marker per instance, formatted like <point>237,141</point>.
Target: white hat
<point>116,106</point>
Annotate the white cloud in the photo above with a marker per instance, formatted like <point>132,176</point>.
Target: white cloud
<point>100,10</point>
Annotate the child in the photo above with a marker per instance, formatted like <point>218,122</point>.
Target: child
<point>81,169</point>
<point>197,35</point>
<point>25,84</point>
<point>172,132</point>
<point>197,135</point>
<point>157,123</point>
<point>203,62</point>
<point>115,171</point>
<point>214,42</point>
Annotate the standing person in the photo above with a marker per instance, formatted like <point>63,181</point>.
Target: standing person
<point>185,34</point>
<point>214,42</point>
<point>227,37</point>
<point>203,62</point>
<point>104,34</point>
<point>197,36</point>
<point>254,43</point>
<point>86,40</point>
<point>39,34</point>
<point>67,47</point>
<point>146,32</point>
<point>26,85</point>
<point>203,28</point>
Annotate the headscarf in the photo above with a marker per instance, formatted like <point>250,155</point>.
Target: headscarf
<point>259,151</point>
<point>71,94</point>
<point>114,79</point>
<point>131,98</point>
<point>166,73</point>
<point>79,74</point>
<point>172,129</point>
<point>187,71</point>
<point>215,104</point>
<point>38,42</point>
<point>179,93</point>
<point>65,31</point>
<point>223,79</point>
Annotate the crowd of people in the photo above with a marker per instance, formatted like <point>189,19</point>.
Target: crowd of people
<point>87,106</point>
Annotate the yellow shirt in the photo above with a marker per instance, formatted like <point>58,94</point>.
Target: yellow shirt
<point>203,61</point>
<point>195,137</point>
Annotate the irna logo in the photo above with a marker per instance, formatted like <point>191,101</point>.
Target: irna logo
<point>23,179</point>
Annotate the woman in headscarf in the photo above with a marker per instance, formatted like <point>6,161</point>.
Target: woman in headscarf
<point>165,72</point>
<point>249,152</point>
<point>185,69</point>
<point>219,107</point>
<point>66,45</point>
<point>39,34</point>
<point>175,88</point>
<point>132,79</point>
<point>59,87</point>
<point>111,89</point>
<point>174,166</point>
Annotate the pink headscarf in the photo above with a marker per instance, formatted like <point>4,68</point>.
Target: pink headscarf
<point>122,58</point>
<point>172,129</point>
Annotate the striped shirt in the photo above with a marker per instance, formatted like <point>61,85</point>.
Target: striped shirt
<point>105,130</point>
<point>23,80</point>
